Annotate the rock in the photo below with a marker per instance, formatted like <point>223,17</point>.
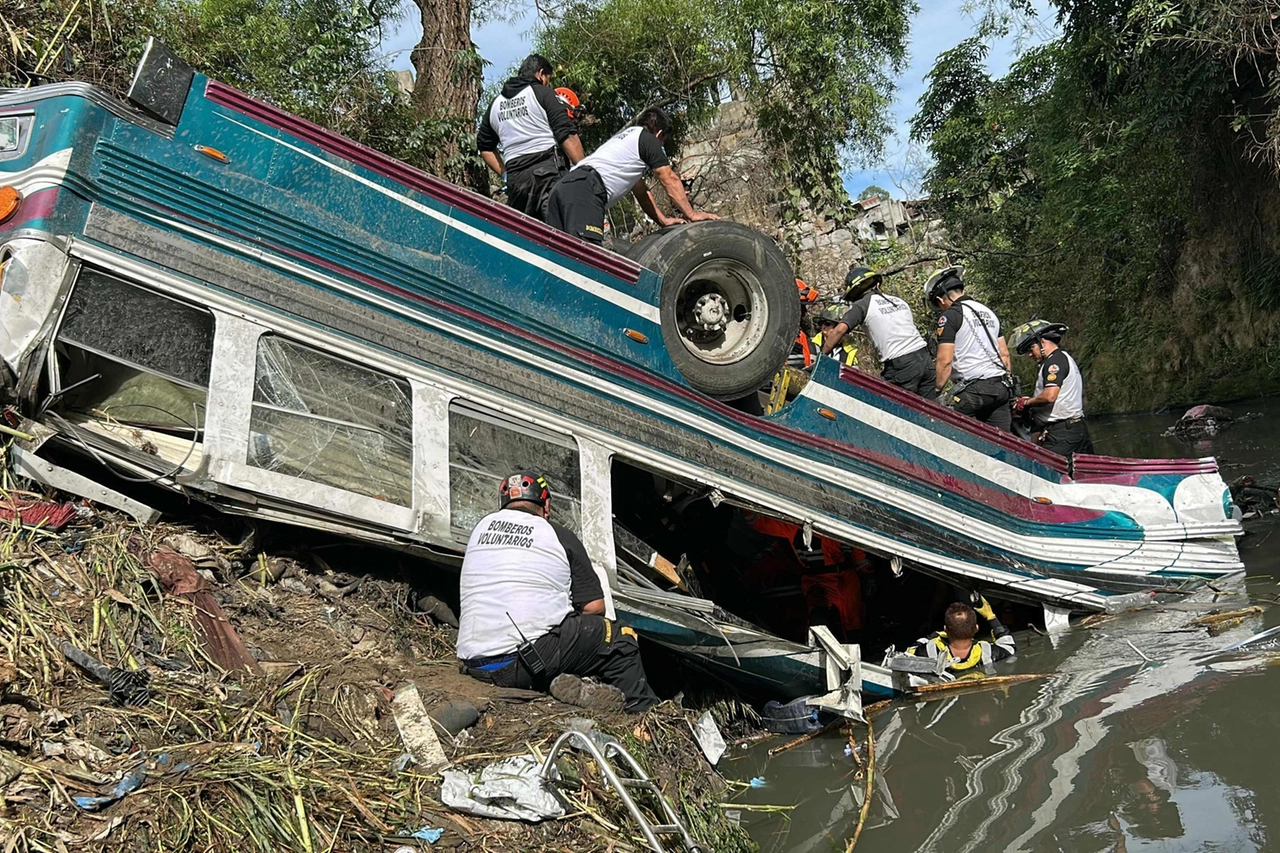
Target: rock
<point>807,244</point>
<point>455,716</point>
<point>840,236</point>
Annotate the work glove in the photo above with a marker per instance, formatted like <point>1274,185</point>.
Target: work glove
<point>1019,405</point>
<point>983,607</point>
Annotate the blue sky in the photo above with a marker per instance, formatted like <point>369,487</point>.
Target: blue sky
<point>939,26</point>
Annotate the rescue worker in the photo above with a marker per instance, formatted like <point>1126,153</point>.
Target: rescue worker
<point>830,321</point>
<point>579,200</point>
<point>970,344</point>
<point>801,356</point>
<point>533,125</point>
<point>1057,407</point>
<point>889,322</point>
<point>533,608</point>
<point>957,639</point>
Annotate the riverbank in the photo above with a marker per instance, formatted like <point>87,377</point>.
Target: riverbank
<point>296,748</point>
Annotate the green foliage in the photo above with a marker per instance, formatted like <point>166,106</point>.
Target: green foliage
<point>1081,184</point>
<point>819,73</point>
<point>874,191</point>
<point>315,58</point>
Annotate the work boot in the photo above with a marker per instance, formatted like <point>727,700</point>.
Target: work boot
<point>572,690</point>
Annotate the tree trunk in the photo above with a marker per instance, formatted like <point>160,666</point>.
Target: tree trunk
<point>447,88</point>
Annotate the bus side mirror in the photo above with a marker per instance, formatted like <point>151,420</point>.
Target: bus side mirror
<point>161,83</point>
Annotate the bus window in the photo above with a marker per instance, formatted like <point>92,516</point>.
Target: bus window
<point>136,366</point>
<point>331,421</point>
<point>483,449</point>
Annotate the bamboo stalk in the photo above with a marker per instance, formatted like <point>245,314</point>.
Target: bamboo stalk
<point>990,681</point>
<point>806,738</point>
<point>1215,618</point>
<point>866,796</point>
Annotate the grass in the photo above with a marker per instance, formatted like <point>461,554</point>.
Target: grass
<point>298,761</point>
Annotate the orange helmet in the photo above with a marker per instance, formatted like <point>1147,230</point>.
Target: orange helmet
<point>569,98</point>
<point>807,293</point>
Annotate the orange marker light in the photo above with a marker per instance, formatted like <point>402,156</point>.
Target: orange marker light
<point>638,337</point>
<point>10,201</point>
<point>827,413</point>
<point>212,152</point>
<point>1042,500</point>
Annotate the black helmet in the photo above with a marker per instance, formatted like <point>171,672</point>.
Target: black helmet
<point>524,486</point>
<point>859,281</point>
<point>1032,331</point>
<point>945,279</point>
<point>832,314</point>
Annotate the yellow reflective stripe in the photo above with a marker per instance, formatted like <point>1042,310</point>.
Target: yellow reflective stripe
<point>628,631</point>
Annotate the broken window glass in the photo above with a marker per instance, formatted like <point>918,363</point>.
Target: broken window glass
<point>139,328</point>
<point>331,421</point>
<point>484,449</point>
<point>132,355</point>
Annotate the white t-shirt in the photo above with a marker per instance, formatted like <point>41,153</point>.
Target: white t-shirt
<point>889,323</point>
<point>1059,370</point>
<point>519,567</point>
<point>977,349</point>
<point>623,160</point>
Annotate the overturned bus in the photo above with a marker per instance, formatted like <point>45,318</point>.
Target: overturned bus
<point>201,291</point>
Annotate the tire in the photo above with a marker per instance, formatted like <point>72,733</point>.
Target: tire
<point>728,304</point>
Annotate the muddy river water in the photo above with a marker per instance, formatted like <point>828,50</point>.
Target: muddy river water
<point>1112,752</point>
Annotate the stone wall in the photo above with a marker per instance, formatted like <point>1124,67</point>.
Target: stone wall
<point>734,177</point>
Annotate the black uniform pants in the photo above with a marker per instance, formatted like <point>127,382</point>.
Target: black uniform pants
<point>1066,437</point>
<point>913,371</point>
<point>577,205</point>
<point>583,645</point>
<point>529,188</point>
<point>987,400</point>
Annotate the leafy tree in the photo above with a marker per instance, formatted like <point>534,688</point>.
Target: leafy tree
<point>1074,185</point>
<point>874,191</point>
<point>819,73</point>
<point>316,58</point>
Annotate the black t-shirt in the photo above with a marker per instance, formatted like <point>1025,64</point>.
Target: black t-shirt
<point>584,583</point>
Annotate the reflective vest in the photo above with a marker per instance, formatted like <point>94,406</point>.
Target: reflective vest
<point>848,353</point>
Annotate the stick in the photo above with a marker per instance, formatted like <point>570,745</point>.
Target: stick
<point>16,433</point>
<point>1138,650</point>
<point>866,797</point>
<point>1215,618</point>
<point>806,738</point>
<point>991,681</point>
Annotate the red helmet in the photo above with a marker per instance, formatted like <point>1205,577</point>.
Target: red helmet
<point>807,293</point>
<point>524,486</point>
<point>569,98</point>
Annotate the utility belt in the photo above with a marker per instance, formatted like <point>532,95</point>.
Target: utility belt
<point>1066,422</point>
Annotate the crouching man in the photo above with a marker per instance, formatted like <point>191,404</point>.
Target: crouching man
<point>533,609</point>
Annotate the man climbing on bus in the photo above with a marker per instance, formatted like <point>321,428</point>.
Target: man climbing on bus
<point>957,639</point>
<point>579,201</point>
<point>533,609</point>
<point>533,125</point>
<point>902,350</point>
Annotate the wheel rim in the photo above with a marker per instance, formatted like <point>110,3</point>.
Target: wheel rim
<point>721,312</point>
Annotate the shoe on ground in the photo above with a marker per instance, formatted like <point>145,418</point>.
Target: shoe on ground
<point>572,690</point>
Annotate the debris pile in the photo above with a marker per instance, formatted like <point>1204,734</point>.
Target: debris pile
<point>166,689</point>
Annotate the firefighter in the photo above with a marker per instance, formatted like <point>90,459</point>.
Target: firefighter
<point>957,639</point>
<point>1057,407</point>
<point>830,322</point>
<point>903,353</point>
<point>535,128</point>
<point>580,199</point>
<point>970,344</point>
<point>533,609</point>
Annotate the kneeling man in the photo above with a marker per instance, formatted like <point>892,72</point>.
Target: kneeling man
<point>527,578</point>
